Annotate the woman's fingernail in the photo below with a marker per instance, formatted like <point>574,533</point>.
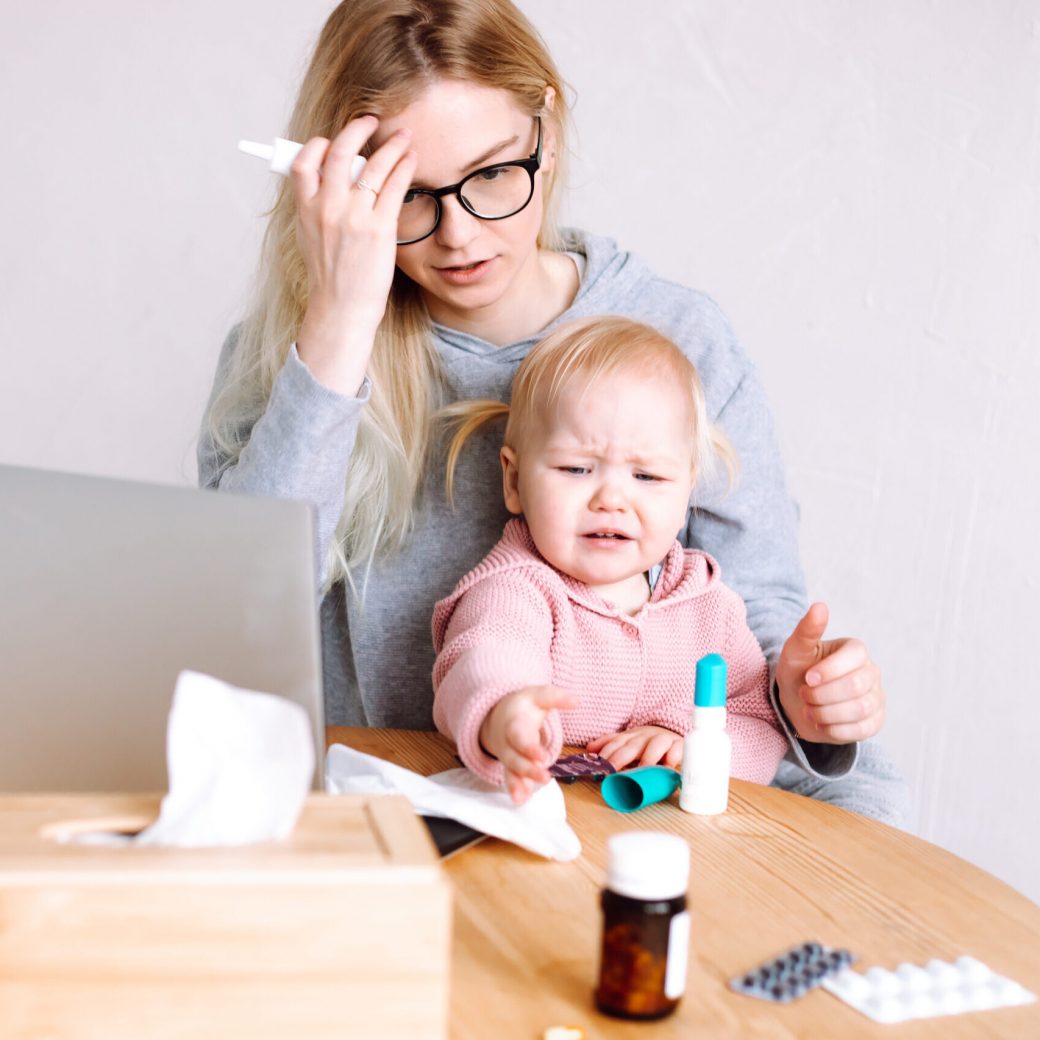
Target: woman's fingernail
<point>812,678</point>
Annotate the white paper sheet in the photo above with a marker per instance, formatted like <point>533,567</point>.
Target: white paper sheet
<point>540,824</point>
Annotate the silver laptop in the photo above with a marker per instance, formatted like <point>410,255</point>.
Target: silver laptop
<point>109,588</point>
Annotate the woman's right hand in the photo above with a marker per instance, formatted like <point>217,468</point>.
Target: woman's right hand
<point>347,236</point>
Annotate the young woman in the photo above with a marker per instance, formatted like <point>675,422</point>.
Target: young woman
<point>427,282</point>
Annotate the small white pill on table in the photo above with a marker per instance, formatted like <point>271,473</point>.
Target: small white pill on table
<point>564,1033</point>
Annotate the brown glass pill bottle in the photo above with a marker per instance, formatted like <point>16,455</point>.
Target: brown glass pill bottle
<point>646,929</point>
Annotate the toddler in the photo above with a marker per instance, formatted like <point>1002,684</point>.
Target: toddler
<point>584,624</point>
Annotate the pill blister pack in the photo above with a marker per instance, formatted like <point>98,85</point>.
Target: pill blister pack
<point>937,988</point>
<point>793,973</point>
<point>586,765</point>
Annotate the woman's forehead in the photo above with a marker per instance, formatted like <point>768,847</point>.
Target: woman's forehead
<point>457,125</point>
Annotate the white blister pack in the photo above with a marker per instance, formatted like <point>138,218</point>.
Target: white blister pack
<point>937,988</point>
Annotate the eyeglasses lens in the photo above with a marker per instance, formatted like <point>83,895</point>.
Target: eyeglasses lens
<point>497,191</point>
<point>417,218</point>
<point>494,192</point>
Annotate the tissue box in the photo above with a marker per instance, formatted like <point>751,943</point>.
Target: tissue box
<point>343,930</point>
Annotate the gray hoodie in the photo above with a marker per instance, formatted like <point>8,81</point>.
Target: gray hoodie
<point>378,653</point>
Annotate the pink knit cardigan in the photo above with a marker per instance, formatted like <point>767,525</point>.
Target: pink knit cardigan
<point>515,621</point>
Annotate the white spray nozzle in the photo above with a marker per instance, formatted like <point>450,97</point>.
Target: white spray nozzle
<point>261,151</point>
<point>282,154</point>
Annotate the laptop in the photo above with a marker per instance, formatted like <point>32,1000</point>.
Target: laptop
<point>109,588</point>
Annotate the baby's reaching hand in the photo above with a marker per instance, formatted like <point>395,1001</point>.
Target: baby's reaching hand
<point>512,732</point>
<point>648,744</point>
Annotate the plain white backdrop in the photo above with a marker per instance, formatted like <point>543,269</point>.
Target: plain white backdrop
<point>857,183</point>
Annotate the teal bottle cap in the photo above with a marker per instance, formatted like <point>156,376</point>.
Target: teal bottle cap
<point>710,691</point>
<point>635,788</point>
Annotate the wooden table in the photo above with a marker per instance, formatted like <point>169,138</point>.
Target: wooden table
<point>773,871</point>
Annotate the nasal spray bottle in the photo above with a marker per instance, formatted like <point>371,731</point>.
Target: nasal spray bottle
<point>282,154</point>
<point>707,748</point>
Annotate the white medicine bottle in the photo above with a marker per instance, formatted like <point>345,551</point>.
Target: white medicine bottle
<point>707,749</point>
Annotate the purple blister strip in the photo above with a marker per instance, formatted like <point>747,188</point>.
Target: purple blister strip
<point>571,767</point>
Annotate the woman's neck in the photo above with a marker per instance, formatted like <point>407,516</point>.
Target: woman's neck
<point>537,297</point>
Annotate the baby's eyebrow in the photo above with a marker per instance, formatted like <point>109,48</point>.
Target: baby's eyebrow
<point>652,461</point>
<point>579,451</point>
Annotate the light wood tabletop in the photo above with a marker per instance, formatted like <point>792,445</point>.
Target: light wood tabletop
<point>772,872</point>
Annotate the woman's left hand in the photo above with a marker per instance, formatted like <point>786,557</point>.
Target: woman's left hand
<point>830,689</point>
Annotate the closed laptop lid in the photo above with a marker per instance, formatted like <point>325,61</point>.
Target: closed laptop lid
<point>109,588</point>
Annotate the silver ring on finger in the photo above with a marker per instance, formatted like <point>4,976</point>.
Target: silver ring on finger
<point>364,185</point>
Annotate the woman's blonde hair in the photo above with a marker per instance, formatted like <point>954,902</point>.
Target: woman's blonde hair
<point>376,57</point>
<point>586,350</point>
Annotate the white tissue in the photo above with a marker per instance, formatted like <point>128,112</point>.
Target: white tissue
<point>240,765</point>
<point>539,825</point>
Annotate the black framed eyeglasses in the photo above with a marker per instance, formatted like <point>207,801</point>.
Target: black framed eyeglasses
<point>490,193</point>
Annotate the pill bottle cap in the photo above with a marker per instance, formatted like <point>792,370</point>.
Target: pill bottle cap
<point>633,789</point>
<point>710,689</point>
<point>648,865</point>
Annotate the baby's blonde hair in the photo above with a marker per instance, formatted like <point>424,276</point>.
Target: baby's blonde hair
<point>590,349</point>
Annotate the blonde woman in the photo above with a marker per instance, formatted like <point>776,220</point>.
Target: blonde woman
<point>427,282</point>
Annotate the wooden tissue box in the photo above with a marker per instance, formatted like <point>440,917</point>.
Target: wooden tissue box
<point>343,930</point>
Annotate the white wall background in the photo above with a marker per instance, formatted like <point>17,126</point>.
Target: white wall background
<point>856,181</point>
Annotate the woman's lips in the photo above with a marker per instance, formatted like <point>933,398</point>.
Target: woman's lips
<point>465,274</point>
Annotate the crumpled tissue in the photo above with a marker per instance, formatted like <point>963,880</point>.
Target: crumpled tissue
<point>539,825</point>
<point>240,765</point>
